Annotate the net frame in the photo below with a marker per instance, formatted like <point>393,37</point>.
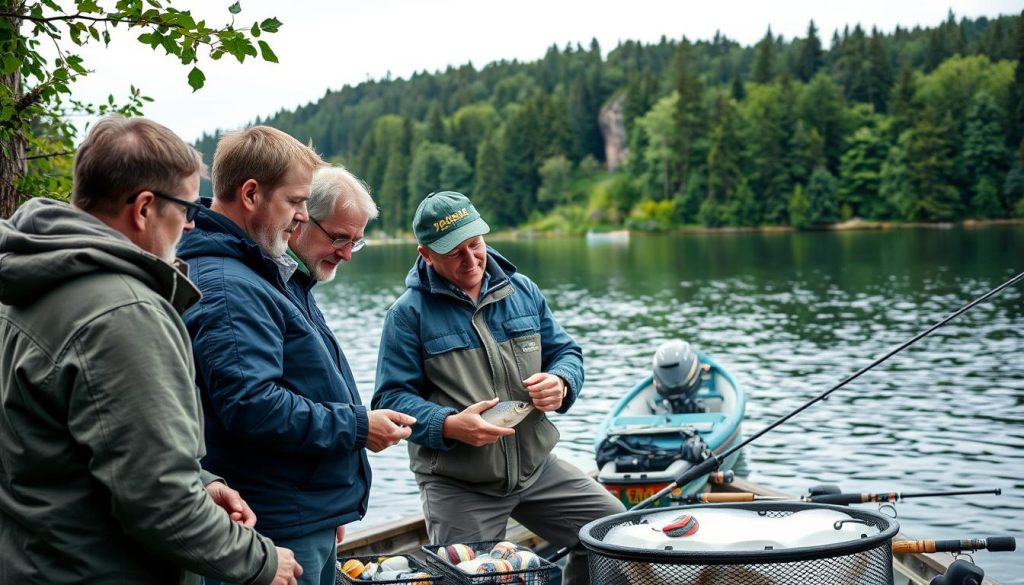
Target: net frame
<point>868,559</point>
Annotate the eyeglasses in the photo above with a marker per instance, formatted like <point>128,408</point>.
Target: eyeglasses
<point>191,207</point>
<point>340,243</point>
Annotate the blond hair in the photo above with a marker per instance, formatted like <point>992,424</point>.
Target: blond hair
<point>262,153</point>
<point>122,156</point>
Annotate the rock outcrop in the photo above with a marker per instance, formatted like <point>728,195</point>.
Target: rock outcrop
<point>612,123</point>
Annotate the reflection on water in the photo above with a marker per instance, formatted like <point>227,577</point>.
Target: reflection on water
<point>790,315</point>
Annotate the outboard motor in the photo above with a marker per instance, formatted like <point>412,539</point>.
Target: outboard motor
<point>677,376</point>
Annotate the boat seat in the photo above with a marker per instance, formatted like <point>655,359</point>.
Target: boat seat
<point>665,423</point>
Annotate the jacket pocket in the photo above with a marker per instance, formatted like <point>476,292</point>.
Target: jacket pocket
<point>471,464</point>
<point>445,343</point>
<point>524,337</point>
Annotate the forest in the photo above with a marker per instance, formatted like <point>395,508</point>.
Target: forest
<point>914,125</point>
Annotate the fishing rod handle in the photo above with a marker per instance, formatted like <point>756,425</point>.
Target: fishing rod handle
<point>720,498</point>
<point>993,543</point>
<point>839,499</point>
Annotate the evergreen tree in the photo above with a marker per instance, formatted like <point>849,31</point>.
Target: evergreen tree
<point>1015,130</point>
<point>799,207</point>
<point>810,58</point>
<point>689,116</point>
<point>658,157</point>
<point>985,154</point>
<point>821,197</point>
<point>767,138</point>
<point>764,59</point>
<point>880,75</point>
<point>489,195</point>
<point>519,164</point>
<point>435,131</point>
<point>902,105</point>
<point>555,176</point>
<point>438,167</point>
<point>821,108</point>
<point>929,159</point>
<point>641,93</point>
<point>860,173</point>
<point>724,175</point>
<point>392,196</point>
<point>470,125</point>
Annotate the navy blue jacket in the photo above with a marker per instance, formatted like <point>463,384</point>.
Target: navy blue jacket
<point>284,422</point>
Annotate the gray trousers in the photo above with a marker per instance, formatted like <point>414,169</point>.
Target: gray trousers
<point>554,507</point>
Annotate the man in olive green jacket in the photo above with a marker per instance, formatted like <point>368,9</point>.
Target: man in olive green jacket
<point>100,421</point>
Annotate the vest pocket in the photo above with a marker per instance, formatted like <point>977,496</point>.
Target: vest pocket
<point>524,337</point>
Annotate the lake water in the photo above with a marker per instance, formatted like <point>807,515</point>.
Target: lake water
<point>790,315</point>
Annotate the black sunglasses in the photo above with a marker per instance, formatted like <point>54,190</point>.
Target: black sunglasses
<point>191,207</point>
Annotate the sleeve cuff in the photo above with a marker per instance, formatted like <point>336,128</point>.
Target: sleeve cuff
<point>435,430</point>
<point>362,425</point>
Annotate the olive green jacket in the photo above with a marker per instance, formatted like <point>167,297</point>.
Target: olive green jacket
<point>100,420</point>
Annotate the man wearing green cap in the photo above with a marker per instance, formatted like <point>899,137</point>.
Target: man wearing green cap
<point>469,332</point>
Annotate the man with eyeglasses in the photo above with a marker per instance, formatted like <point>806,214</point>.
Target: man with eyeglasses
<point>284,421</point>
<point>339,208</point>
<point>101,429</point>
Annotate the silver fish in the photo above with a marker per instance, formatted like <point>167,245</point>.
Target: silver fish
<point>507,414</point>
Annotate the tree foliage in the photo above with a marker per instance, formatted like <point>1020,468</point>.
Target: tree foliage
<point>36,93</point>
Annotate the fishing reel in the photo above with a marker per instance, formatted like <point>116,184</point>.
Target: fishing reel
<point>960,572</point>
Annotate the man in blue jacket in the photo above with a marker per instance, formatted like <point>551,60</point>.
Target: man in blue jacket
<point>339,208</point>
<point>284,423</point>
<point>470,331</point>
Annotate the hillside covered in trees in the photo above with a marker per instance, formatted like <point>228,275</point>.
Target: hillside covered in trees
<point>912,125</point>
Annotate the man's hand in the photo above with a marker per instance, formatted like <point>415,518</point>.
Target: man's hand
<point>470,428</point>
<point>387,428</point>
<point>546,390</point>
<point>287,568</point>
<point>232,503</point>
<point>341,535</point>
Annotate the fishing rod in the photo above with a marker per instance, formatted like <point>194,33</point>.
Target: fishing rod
<point>959,572</point>
<point>992,543</point>
<point>837,498</point>
<point>714,461</point>
<point>851,498</point>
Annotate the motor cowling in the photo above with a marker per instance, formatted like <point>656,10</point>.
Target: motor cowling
<point>676,372</point>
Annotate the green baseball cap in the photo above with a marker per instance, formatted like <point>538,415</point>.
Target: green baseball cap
<point>446,219</point>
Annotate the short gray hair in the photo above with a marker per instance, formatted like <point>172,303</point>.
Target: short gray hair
<point>336,182</point>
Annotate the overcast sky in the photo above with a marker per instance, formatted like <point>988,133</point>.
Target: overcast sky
<point>326,44</point>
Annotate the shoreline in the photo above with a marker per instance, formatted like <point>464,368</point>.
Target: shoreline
<point>847,226</point>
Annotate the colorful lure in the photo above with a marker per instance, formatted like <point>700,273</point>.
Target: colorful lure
<point>685,525</point>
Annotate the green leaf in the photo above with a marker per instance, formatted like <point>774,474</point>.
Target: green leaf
<point>196,78</point>
<point>88,6</point>
<point>9,64</point>
<point>188,53</point>
<point>255,30</point>
<point>235,8</point>
<point>267,52</point>
<point>270,25</point>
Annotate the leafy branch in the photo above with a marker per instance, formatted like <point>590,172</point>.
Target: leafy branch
<point>35,92</point>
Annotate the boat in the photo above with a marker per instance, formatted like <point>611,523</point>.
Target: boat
<point>610,237</point>
<point>406,535</point>
<point>652,435</point>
